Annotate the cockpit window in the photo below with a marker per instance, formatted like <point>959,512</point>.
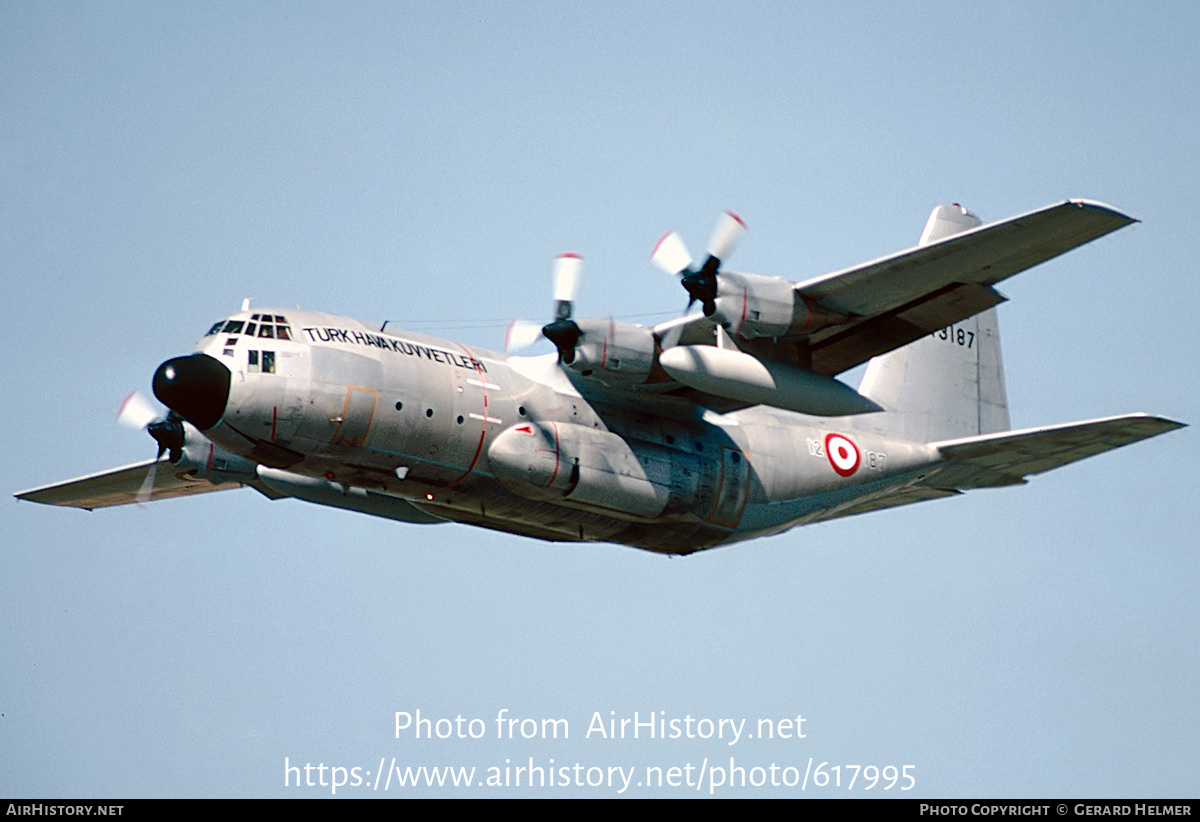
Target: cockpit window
<point>268,326</point>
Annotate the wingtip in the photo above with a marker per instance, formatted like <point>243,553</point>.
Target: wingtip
<point>1166,423</point>
<point>1105,207</point>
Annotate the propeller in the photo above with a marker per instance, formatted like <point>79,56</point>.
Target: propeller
<point>521,334</point>
<point>563,331</point>
<point>138,412</point>
<point>671,255</point>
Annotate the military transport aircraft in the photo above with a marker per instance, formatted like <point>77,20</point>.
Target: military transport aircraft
<point>725,424</point>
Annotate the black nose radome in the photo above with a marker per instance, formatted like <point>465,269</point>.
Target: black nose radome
<point>195,387</point>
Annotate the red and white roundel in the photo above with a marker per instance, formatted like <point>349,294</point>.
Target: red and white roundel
<point>842,453</point>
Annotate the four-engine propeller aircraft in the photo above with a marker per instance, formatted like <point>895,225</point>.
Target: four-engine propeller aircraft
<point>719,426</point>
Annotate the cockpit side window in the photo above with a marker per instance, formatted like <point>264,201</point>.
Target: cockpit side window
<point>260,362</point>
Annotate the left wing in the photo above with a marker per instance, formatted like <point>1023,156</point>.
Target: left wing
<point>899,298</point>
<point>831,323</point>
<point>121,486</point>
<point>771,341</point>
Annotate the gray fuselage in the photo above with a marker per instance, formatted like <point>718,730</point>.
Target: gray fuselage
<point>522,444</point>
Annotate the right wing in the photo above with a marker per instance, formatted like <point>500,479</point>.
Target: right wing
<point>1006,458</point>
<point>121,486</point>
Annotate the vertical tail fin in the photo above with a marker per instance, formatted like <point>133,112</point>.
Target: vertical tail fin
<point>949,384</point>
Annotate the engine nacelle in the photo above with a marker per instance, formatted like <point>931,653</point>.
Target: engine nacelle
<point>756,306</point>
<point>203,459</point>
<point>614,352</point>
<point>598,469</point>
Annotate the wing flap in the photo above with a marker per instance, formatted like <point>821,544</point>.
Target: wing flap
<point>121,486</point>
<point>1006,458</point>
<point>890,330</point>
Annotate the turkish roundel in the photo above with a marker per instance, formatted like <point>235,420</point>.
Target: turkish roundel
<point>842,454</point>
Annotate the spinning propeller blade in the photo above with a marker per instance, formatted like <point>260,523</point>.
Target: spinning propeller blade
<point>138,412</point>
<point>521,334</point>
<point>726,235</point>
<point>563,331</point>
<point>671,255</point>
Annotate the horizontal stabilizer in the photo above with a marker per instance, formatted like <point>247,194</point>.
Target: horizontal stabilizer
<point>1005,458</point>
<point>121,486</point>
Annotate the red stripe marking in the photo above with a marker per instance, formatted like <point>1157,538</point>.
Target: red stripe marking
<point>557,458</point>
<point>482,430</point>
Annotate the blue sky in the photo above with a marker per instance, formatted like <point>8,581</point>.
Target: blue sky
<point>423,163</point>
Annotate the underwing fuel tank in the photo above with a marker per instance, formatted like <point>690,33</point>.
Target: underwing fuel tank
<point>739,376</point>
<point>594,469</point>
